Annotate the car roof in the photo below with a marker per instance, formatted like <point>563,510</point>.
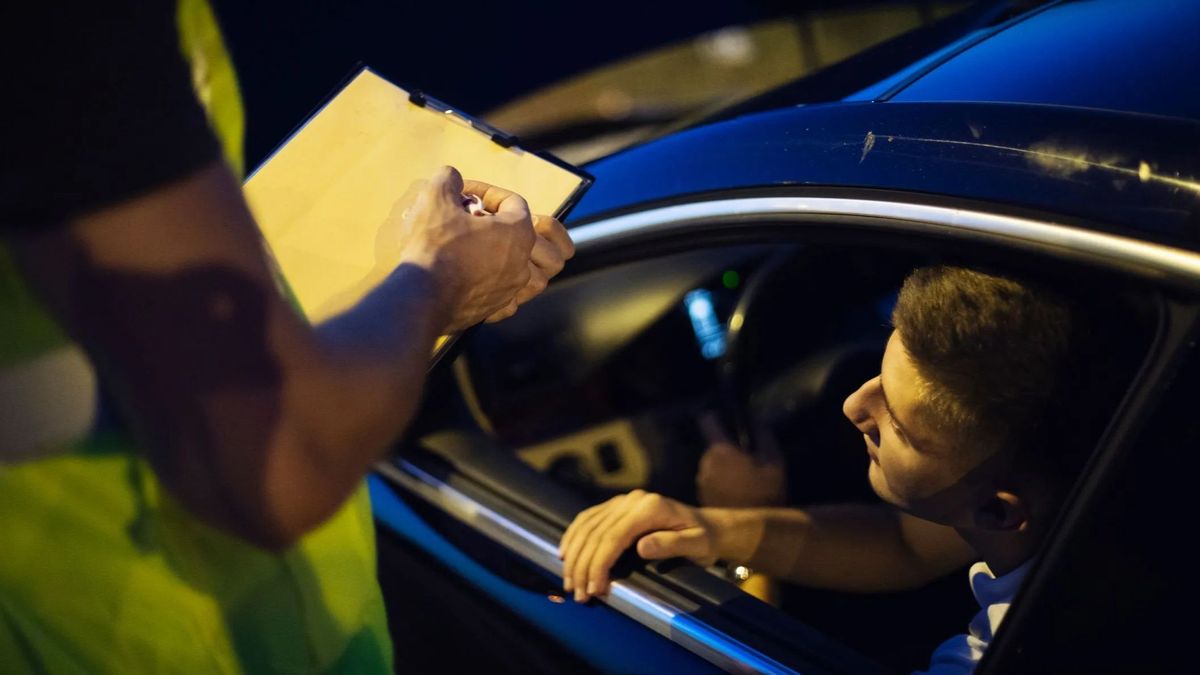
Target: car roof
<point>1125,55</point>
<point>1046,113</point>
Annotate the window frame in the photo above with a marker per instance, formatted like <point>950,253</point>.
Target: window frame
<point>654,230</point>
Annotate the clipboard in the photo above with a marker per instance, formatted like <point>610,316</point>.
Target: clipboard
<point>322,197</point>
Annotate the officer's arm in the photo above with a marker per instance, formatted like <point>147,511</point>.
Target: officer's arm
<point>255,421</point>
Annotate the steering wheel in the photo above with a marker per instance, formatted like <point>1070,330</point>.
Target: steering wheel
<point>790,361</point>
<point>834,355</point>
<point>733,375</point>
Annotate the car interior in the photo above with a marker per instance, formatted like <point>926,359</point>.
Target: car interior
<point>596,387</point>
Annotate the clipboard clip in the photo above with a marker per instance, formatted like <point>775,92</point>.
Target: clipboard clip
<point>421,100</point>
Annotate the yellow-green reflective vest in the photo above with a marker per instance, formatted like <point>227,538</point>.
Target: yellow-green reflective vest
<point>101,571</point>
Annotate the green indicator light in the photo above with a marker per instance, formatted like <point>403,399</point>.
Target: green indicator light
<point>730,279</point>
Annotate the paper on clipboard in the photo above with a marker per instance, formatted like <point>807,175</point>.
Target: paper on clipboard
<point>323,198</point>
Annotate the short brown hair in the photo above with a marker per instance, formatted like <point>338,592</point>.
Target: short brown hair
<point>998,357</point>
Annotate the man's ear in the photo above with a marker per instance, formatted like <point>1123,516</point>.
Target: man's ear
<point>1002,511</point>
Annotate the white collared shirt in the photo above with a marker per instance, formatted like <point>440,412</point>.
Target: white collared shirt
<point>959,654</point>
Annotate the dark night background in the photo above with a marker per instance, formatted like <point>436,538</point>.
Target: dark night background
<point>474,55</point>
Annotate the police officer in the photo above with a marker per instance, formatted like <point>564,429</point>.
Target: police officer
<point>223,526</point>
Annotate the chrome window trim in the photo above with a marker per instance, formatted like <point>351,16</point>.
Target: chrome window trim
<point>665,615</point>
<point>1156,260</point>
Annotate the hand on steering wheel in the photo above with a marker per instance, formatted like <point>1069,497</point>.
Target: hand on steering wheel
<point>729,476</point>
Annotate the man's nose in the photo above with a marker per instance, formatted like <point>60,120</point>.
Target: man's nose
<point>855,406</point>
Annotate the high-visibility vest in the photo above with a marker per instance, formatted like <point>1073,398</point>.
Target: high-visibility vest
<point>101,571</point>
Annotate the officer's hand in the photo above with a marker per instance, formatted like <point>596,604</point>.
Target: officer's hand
<point>662,527</point>
<point>480,264</point>
<point>551,250</point>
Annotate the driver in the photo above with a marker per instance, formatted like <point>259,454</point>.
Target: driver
<point>975,428</point>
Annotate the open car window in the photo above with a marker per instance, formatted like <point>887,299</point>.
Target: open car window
<point>596,387</point>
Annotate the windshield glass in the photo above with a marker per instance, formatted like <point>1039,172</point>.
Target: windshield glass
<point>628,101</point>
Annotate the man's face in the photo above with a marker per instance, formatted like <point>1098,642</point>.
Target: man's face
<point>912,466</point>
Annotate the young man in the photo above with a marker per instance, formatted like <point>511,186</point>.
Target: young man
<point>974,429</point>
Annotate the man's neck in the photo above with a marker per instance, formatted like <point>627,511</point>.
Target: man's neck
<point>1003,551</point>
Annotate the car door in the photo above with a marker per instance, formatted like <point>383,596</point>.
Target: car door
<point>462,496</point>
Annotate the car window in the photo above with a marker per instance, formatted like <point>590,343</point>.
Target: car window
<point>603,384</point>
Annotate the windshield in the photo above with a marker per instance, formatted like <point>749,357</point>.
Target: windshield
<point>617,105</point>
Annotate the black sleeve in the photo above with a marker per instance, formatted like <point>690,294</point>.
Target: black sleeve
<point>96,106</point>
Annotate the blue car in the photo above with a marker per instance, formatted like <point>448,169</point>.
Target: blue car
<point>746,264</point>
